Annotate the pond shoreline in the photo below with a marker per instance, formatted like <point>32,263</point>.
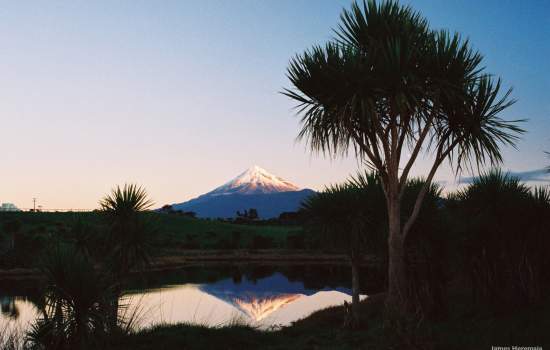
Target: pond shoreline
<point>176,259</point>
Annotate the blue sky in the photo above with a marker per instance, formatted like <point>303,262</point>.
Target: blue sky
<point>181,96</point>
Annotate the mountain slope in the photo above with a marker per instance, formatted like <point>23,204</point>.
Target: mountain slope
<point>255,188</point>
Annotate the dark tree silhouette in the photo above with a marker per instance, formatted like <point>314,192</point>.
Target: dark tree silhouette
<point>349,217</point>
<point>252,214</point>
<point>504,227</point>
<point>130,234</point>
<point>389,85</point>
<point>12,228</point>
<point>74,302</point>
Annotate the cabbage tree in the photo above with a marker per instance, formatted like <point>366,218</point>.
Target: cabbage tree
<point>340,215</point>
<point>130,235</point>
<point>391,89</point>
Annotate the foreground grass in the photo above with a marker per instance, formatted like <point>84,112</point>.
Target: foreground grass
<point>465,329</point>
<point>241,337</point>
<point>321,330</point>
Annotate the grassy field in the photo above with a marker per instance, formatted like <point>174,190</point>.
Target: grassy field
<point>171,233</point>
<point>215,234</point>
<point>170,229</point>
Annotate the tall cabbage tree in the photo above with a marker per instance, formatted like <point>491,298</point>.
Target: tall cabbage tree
<point>390,88</point>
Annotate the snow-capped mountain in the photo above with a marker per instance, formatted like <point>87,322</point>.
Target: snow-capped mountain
<point>255,188</point>
<point>254,180</point>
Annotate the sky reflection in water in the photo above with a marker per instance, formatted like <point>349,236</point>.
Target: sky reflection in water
<point>265,302</point>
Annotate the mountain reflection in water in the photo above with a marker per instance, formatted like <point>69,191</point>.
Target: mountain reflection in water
<point>258,299</point>
<point>259,308</point>
<point>266,300</point>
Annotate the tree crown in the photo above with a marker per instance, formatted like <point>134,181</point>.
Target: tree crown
<point>387,81</point>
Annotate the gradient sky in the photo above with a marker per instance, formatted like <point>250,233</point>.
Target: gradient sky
<point>182,96</point>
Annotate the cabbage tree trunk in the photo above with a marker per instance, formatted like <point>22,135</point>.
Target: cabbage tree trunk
<point>397,302</point>
<point>355,288</point>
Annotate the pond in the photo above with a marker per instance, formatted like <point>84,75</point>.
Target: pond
<point>262,296</point>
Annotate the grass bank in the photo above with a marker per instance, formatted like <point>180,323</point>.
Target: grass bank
<point>462,329</point>
<point>180,259</point>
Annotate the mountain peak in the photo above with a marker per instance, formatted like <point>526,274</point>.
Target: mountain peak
<point>256,168</point>
<point>254,188</point>
<point>254,180</point>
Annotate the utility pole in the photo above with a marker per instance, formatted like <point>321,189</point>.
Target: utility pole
<point>34,204</point>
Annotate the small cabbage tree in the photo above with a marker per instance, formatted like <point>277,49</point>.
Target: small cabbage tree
<point>75,298</point>
<point>130,235</point>
<point>349,217</point>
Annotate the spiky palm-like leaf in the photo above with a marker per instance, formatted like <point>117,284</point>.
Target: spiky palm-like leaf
<point>342,214</point>
<point>130,230</point>
<point>76,295</point>
<point>387,77</point>
<point>126,200</point>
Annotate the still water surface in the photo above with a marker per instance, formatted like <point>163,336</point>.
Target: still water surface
<point>267,297</point>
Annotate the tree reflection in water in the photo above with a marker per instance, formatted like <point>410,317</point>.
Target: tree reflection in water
<point>8,307</point>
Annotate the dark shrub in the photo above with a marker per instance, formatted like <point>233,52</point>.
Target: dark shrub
<point>504,230</point>
<point>236,239</point>
<point>261,242</point>
<point>291,218</point>
<point>426,249</point>
<point>223,243</point>
<point>295,241</point>
<point>167,208</point>
<point>191,242</point>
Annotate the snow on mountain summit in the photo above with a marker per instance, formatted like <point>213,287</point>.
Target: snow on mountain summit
<point>255,180</point>
<point>255,188</point>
